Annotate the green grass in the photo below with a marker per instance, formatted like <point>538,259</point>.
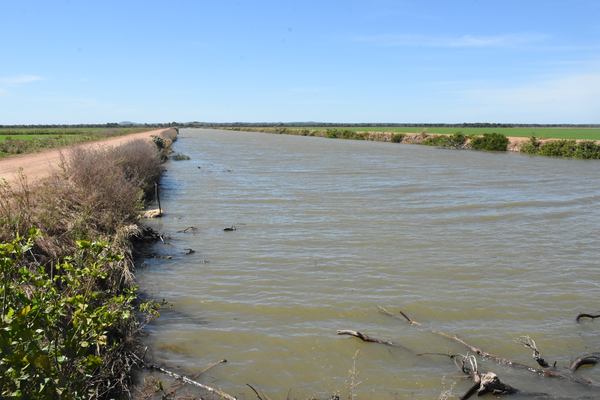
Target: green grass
<point>27,137</point>
<point>542,133</point>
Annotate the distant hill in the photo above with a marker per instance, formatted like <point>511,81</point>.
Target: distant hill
<point>128,123</point>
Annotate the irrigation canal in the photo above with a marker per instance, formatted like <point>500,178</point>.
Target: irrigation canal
<point>487,246</point>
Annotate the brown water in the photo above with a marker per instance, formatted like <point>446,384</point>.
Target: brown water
<point>487,246</point>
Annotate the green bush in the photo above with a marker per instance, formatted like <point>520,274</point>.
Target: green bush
<point>345,134</point>
<point>558,148</point>
<point>180,157</point>
<point>489,142</point>
<point>397,137</point>
<point>530,147</point>
<point>455,141</point>
<point>59,326</point>
<point>587,149</point>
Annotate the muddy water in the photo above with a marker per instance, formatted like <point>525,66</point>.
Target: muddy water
<point>486,246</point>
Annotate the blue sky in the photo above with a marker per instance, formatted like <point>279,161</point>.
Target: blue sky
<point>525,61</point>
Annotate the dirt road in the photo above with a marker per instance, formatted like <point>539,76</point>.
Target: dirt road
<point>39,165</point>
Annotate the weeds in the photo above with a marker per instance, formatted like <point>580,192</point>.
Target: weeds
<point>353,378</point>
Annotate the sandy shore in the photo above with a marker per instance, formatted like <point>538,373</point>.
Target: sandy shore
<point>39,165</point>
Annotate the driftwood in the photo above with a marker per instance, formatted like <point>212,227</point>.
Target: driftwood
<point>589,359</point>
<point>183,378</point>
<point>366,338</point>
<point>176,388</point>
<point>543,372</point>
<point>577,318</point>
<point>530,343</point>
<point>490,383</point>
<point>193,228</point>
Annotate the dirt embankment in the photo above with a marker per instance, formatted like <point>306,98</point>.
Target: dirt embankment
<point>39,165</point>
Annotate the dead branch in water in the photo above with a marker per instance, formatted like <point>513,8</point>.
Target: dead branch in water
<point>192,228</point>
<point>530,343</point>
<point>578,317</point>
<point>182,378</point>
<point>588,359</point>
<point>195,376</point>
<point>366,338</point>
<point>491,382</point>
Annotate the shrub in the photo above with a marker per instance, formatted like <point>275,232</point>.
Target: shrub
<point>587,149</point>
<point>67,308</point>
<point>530,147</point>
<point>180,157</point>
<point>489,142</point>
<point>397,137</point>
<point>345,134</point>
<point>455,141</point>
<point>557,148</point>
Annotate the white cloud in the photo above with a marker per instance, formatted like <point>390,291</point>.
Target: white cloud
<point>449,41</point>
<point>15,80</point>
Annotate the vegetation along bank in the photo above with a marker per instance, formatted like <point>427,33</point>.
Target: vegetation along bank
<point>69,302</point>
<point>573,148</point>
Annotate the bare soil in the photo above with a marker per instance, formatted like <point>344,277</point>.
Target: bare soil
<point>42,164</point>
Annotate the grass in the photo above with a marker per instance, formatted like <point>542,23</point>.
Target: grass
<point>555,133</point>
<point>66,261</point>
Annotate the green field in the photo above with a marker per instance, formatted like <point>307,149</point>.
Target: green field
<point>26,137</point>
<point>543,133</point>
<point>21,141</point>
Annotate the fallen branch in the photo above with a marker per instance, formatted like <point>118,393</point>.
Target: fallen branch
<point>530,343</point>
<point>183,378</point>
<point>502,360</point>
<point>593,359</point>
<point>193,228</point>
<point>577,318</point>
<point>366,338</point>
<point>196,375</point>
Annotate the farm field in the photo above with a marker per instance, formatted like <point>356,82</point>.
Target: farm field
<point>22,141</point>
<point>543,133</point>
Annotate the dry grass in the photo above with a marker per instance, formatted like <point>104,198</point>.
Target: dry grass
<point>97,192</point>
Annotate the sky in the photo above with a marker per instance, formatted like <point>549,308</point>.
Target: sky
<point>375,61</point>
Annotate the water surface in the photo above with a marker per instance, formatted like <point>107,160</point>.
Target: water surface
<point>487,246</point>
